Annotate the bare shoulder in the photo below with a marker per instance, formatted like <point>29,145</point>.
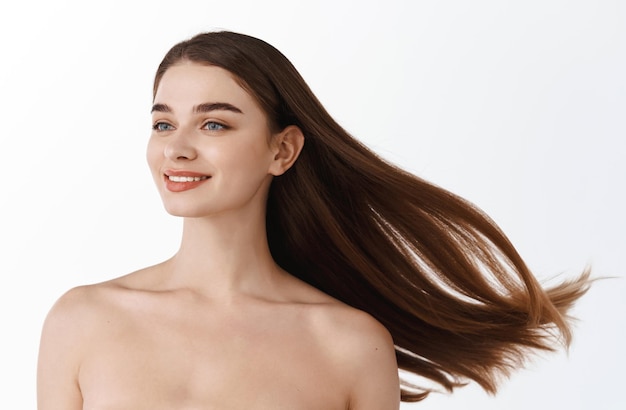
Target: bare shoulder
<point>84,301</point>
<point>353,330</point>
<point>81,309</point>
<point>65,340</point>
<point>72,319</point>
<point>74,308</point>
<point>363,350</point>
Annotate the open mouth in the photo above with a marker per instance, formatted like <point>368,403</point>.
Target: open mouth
<point>175,178</point>
<point>184,181</point>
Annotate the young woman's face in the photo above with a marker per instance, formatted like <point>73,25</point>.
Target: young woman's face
<point>210,149</point>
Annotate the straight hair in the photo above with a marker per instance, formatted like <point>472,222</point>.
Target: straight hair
<point>436,271</point>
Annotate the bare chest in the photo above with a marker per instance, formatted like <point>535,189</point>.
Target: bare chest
<point>158,363</point>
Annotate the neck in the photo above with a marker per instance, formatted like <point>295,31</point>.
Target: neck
<point>222,256</point>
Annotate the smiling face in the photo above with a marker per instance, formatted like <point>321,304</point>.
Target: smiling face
<point>210,151</point>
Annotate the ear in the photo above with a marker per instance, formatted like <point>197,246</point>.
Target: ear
<point>287,146</point>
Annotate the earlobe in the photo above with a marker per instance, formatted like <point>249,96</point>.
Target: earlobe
<point>288,144</point>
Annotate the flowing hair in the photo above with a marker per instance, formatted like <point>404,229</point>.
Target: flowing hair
<point>457,298</point>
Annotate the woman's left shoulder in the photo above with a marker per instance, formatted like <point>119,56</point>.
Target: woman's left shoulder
<point>363,350</point>
<point>334,318</point>
<point>355,333</point>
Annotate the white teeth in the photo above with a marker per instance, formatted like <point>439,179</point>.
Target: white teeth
<point>186,179</point>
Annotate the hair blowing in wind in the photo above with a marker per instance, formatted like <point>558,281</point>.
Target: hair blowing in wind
<point>457,298</point>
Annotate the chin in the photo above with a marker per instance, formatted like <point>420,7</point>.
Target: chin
<point>185,211</point>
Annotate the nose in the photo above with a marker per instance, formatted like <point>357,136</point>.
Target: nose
<point>180,148</point>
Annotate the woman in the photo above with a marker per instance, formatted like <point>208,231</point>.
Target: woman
<point>309,270</point>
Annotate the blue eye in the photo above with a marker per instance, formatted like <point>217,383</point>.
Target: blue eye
<point>162,126</point>
<point>214,126</point>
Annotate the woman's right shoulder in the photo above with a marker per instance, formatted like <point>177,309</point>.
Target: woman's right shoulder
<point>85,304</point>
<point>80,305</point>
<point>73,325</point>
<point>81,299</point>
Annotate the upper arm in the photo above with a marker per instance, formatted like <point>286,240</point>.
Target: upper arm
<point>59,355</point>
<point>375,383</point>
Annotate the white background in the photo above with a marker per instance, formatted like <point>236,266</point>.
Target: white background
<point>518,107</point>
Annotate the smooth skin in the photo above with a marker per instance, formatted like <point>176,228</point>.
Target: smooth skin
<point>219,325</point>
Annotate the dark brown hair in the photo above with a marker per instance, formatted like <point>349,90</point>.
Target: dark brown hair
<point>436,271</point>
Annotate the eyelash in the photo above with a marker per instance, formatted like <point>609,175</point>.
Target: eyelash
<point>157,126</point>
<point>221,126</point>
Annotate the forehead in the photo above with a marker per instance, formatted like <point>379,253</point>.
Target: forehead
<point>188,84</point>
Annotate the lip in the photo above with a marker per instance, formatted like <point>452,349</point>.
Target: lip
<point>183,173</point>
<point>174,186</point>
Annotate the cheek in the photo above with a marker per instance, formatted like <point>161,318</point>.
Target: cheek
<point>251,162</point>
<point>154,153</point>
<point>237,156</point>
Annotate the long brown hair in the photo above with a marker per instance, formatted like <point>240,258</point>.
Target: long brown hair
<point>437,272</point>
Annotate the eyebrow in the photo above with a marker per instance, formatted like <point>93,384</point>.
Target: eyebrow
<point>200,108</point>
